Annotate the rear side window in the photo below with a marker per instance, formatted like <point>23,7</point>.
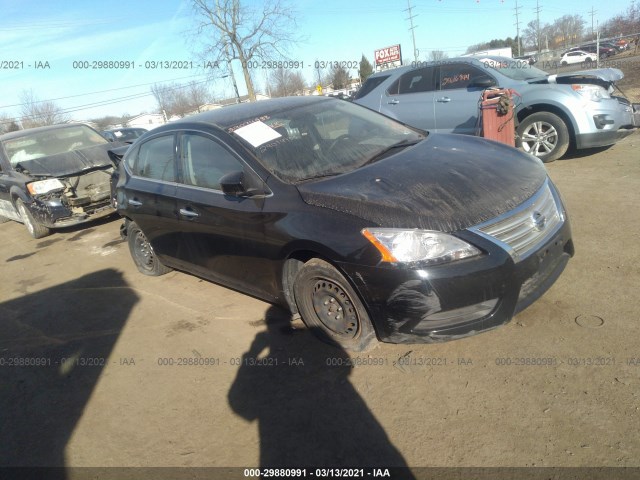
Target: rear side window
<point>156,159</point>
<point>205,162</point>
<point>369,85</point>
<point>415,81</point>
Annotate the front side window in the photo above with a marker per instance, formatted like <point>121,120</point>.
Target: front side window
<point>415,81</point>
<point>204,161</point>
<point>156,159</point>
<point>369,85</point>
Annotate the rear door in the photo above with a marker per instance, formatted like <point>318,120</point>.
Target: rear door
<point>456,99</point>
<point>410,98</point>
<point>149,193</point>
<point>221,237</point>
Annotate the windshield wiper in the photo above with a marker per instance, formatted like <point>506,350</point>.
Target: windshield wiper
<point>400,144</point>
<point>322,175</point>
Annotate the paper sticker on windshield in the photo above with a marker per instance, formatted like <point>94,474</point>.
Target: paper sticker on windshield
<point>117,134</point>
<point>257,133</point>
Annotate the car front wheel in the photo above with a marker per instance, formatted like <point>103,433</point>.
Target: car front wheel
<point>544,135</point>
<point>36,229</point>
<point>331,308</point>
<point>142,253</point>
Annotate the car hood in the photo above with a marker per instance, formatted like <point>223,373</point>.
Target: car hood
<point>598,76</point>
<point>69,163</point>
<point>446,182</point>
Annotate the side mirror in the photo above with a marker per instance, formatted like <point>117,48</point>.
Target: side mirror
<point>483,82</point>
<point>241,184</point>
<point>233,184</point>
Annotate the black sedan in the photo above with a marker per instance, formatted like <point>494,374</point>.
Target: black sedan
<point>360,224</point>
<point>126,134</point>
<point>55,176</point>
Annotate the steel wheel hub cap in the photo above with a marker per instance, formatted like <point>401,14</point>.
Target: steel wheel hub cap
<point>334,309</point>
<point>144,250</point>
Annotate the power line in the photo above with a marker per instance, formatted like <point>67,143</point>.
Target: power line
<point>537,10</point>
<point>517,26</point>
<point>412,28</point>
<point>99,91</point>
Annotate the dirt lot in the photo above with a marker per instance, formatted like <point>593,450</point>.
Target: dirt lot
<point>558,386</point>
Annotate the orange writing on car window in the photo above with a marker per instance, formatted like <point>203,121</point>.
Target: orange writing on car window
<point>455,79</point>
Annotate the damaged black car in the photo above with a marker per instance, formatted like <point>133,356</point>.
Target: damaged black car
<point>56,176</point>
<point>365,227</point>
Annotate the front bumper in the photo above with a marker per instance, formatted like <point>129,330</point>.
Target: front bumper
<point>608,126</point>
<point>52,213</point>
<point>445,302</point>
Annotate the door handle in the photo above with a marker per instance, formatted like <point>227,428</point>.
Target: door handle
<point>190,214</point>
<point>443,100</point>
<point>395,101</point>
<point>135,203</point>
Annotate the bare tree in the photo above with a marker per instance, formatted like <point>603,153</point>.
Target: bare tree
<point>38,113</point>
<point>181,100</point>
<point>435,55</point>
<point>198,94</point>
<point>286,82</point>
<point>163,94</point>
<point>242,31</point>
<point>7,124</point>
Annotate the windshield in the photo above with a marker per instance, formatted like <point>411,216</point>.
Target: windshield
<point>51,142</point>
<point>513,68</point>
<point>323,139</point>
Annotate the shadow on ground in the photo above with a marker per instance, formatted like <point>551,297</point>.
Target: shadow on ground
<point>327,425</point>
<point>54,344</point>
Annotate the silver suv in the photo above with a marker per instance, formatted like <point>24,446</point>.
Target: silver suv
<point>553,111</point>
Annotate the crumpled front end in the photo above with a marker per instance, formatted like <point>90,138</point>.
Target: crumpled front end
<point>80,198</point>
<point>524,252</point>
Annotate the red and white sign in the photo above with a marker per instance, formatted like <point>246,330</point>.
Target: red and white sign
<point>388,55</point>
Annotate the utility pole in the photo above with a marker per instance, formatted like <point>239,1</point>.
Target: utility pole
<point>412,28</point>
<point>593,13</point>
<point>537,10</point>
<point>517,26</point>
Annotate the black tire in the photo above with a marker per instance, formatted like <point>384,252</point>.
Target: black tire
<point>544,135</point>
<point>36,229</point>
<point>142,253</point>
<point>331,308</point>
<point>564,64</point>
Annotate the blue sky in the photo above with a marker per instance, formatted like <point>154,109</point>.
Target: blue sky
<point>61,33</point>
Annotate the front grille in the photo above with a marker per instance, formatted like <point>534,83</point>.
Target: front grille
<point>523,228</point>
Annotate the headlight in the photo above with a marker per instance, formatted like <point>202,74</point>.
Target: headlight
<point>418,246</point>
<point>591,92</point>
<point>44,186</point>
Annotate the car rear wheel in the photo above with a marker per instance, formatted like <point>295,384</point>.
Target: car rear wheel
<point>37,230</point>
<point>331,308</point>
<point>142,253</point>
<point>544,135</point>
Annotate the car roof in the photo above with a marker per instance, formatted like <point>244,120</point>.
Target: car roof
<point>233,114</point>
<point>29,131</point>
<point>473,59</point>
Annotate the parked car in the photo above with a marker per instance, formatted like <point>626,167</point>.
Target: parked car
<point>532,59</point>
<point>553,111</point>
<point>362,225</point>
<point>604,51</point>
<point>578,56</point>
<point>52,177</point>
<point>128,134</point>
